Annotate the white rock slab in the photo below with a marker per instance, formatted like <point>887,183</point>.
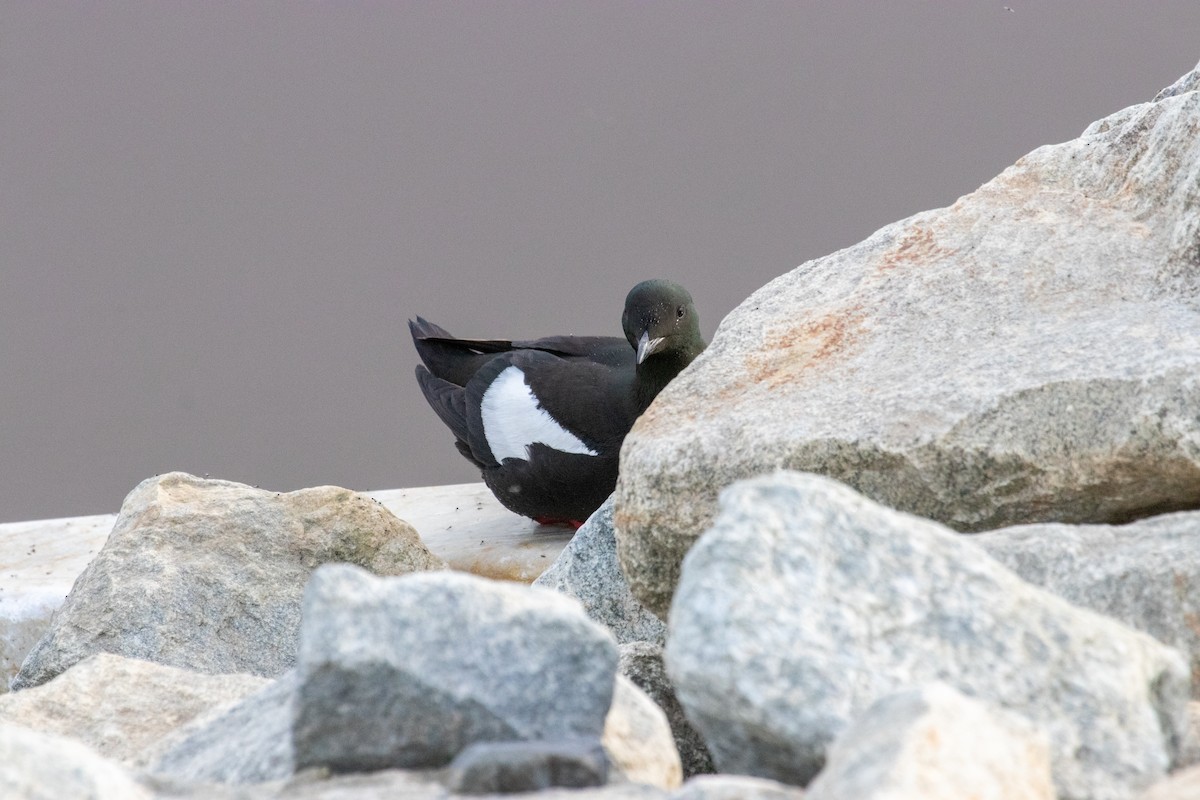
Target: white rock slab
<point>39,562</point>
<point>465,525</point>
<point>461,523</point>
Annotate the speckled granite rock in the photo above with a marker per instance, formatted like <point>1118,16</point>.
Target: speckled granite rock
<point>806,602</point>
<point>406,672</point>
<point>207,575</point>
<point>587,570</point>
<point>124,708</point>
<point>642,663</point>
<point>1145,574</point>
<point>249,742</point>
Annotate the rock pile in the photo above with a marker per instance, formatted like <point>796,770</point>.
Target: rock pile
<point>433,683</point>
<point>759,599</point>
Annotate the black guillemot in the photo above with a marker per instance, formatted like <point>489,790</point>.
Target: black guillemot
<point>544,419</point>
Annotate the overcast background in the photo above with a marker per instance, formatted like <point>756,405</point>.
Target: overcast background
<point>215,218</point>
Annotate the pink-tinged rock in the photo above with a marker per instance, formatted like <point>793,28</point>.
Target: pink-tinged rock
<point>1029,354</point>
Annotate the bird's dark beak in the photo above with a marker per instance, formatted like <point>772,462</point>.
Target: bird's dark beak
<point>647,346</point>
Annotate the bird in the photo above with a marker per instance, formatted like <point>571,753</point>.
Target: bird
<point>544,419</point>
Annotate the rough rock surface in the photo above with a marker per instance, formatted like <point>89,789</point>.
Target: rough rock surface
<point>638,738</point>
<point>587,570</point>
<point>806,602</point>
<point>934,743</point>
<point>407,672</point>
<point>207,575</point>
<point>642,663</point>
<point>1146,574</point>
<point>1189,82</point>
<point>250,742</point>
<point>41,766</point>
<point>1028,354</point>
<point>122,707</point>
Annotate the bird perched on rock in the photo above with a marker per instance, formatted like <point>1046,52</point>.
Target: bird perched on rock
<point>544,419</point>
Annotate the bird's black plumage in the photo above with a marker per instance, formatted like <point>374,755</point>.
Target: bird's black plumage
<point>544,419</point>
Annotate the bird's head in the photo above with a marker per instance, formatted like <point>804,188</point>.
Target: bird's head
<point>661,318</point>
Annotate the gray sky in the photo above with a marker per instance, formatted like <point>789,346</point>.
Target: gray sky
<point>215,217</point>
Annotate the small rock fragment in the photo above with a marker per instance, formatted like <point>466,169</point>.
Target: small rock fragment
<point>934,743</point>
<point>529,766</point>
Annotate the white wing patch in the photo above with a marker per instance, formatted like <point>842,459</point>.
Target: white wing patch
<point>512,420</point>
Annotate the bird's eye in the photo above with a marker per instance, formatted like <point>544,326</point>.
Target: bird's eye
<point>679,312</point>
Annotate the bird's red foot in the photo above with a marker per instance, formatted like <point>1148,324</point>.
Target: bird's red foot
<point>574,523</point>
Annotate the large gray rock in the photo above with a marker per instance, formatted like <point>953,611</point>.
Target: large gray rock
<point>806,602</point>
<point>1027,354</point>
<point>407,672</point>
<point>249,742</point>
<point>587,570</point>
<point>642,663</point>
<point>207,575</point>
<point>122,707</point>
<point>934,743</point>
<point>42,766</point>
<point>1146,574</point>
